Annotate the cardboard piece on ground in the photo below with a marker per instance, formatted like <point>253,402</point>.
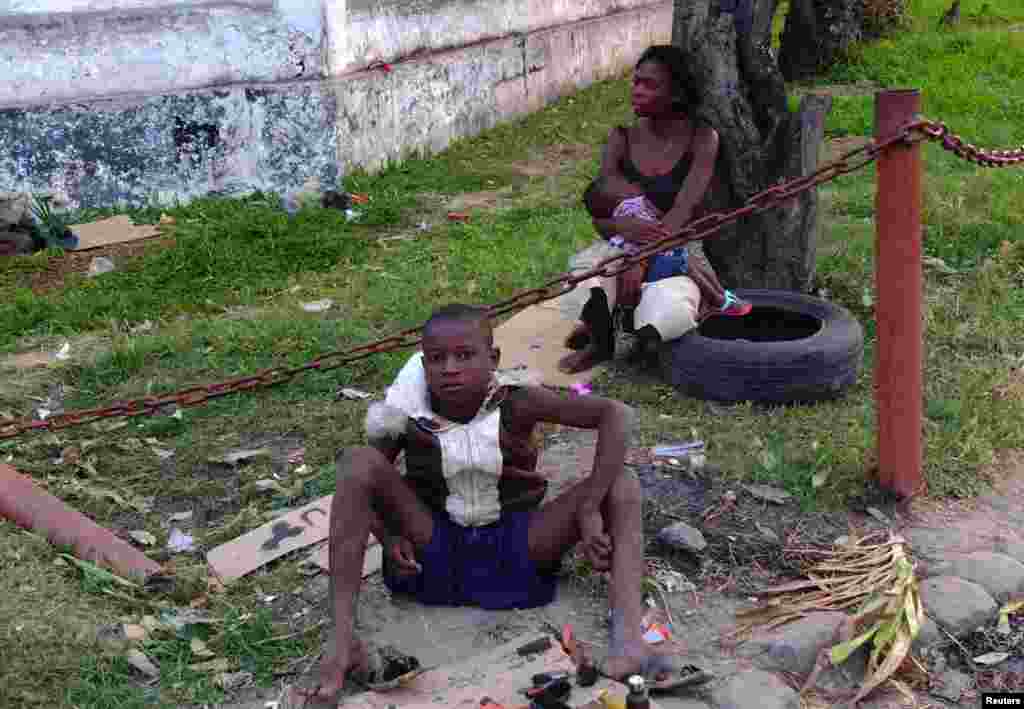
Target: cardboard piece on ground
<point>499,675</point>
<point>535,338</point>
<point>115,230</point>
<point>371,562</point>
<point>291,531</point>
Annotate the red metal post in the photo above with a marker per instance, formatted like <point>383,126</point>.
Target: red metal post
<point>29,506</point>
<point>898,284</point>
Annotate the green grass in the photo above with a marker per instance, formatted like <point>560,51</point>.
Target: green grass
<point>226,301</point>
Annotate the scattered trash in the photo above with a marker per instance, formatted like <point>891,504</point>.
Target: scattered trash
<point>143,537</point>
<point>302,469</point>
<point>768,494</point>
<point>221,664</point>
<point>352,215</point>
<point>939,265</point>
<point>100,265</point>
<point>266,484</point>
<point>70,456</point>
<point>318,306</point>
<point>991,658</point>
<point>458,217</point>
<point>581,388</point>
<point>819,479</point>
<point>378,64</point>
<point>52,404</point>
<point>64,352</point>
<point>878,515</point>
<point>162,453</point>
<point>688,455</point>
<point>180,618</point>
<point>177,414</point>
<point>423,226</point>
<point>332,199</point>
<point>185,516</point>
<point>137,659</point>
<point>145,326</point>
<point>767,532</point>
<point>673,581</point>
<point>359,198</point>
<point>269,599</point>
<point>229,681</point>
<point>178,541</point>
<point>242,454</point>
<point>133,632</point>
<point>297,456</point>
<point>348,393</point>
<point>199,648</point>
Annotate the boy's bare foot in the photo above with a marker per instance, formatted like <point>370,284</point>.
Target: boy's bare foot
<point>583,360</point>
<point>660,667</point>
<point>331,679</point>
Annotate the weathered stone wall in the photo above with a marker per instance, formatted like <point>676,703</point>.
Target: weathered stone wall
<point>150,101</point>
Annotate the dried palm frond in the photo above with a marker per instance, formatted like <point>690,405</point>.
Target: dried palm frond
<point>874,579</point>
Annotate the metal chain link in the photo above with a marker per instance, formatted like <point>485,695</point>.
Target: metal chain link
<point>702,228</point>
<point>939,132</point>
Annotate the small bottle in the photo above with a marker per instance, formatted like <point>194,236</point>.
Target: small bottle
<point>637,697</point>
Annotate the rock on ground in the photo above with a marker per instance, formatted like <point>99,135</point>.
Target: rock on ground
<point>999,574</point>
<point>795,646</point>
<point>929,634</point>
<point>755,688</point>
<point>682,536</point>
<point>958,605</point>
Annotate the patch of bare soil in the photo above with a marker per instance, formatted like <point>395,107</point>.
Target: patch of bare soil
<point>554,160</point>
<point>77,262</point>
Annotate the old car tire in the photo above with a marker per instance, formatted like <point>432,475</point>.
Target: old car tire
<point>791,348</point>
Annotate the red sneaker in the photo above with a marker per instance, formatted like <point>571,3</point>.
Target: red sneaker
<point>734,306</point>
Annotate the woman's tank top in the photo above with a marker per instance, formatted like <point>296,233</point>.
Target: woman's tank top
<point>660,189</point>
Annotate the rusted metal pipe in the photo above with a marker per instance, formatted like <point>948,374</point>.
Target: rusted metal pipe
<point>898,284</point>
<point>29,506</point>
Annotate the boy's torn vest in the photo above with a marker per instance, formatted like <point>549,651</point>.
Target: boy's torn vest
<point>471,456</point>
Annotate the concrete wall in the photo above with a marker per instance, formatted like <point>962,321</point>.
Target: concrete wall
<point>143,100</point>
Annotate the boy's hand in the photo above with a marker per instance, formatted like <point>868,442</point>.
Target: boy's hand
<point>597,546</point>
<point>402,553</point>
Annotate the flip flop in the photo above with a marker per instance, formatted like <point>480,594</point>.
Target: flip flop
<point>688,676</point>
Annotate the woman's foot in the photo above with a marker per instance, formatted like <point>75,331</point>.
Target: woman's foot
<point>583,360</point>
<point>578,338</point>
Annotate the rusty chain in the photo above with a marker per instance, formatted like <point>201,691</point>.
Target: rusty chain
<point>704,227</point>
<point>939,132</point>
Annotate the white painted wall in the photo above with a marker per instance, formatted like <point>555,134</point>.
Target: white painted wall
<point>54,51</point>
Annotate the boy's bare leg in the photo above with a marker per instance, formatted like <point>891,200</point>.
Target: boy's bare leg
<point>366,481</point>
<point>555,530</point>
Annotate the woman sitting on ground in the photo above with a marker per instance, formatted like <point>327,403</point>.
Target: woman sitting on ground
<point>670,155</point>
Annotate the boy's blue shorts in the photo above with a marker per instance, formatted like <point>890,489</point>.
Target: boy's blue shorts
<point>487,566</point>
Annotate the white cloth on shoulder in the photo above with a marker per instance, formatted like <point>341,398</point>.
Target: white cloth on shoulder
<point>471,457</point>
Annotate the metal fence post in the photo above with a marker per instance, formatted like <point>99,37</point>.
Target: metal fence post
<point>898,283</point>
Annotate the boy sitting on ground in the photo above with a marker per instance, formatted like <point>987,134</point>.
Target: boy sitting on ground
<point>465,526</point>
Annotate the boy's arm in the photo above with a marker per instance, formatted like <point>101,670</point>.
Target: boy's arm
<point>613,420</point>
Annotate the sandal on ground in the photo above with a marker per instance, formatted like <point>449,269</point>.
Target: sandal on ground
<point>672,680</point>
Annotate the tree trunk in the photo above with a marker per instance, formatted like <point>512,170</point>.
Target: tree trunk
<point>817,33</point>
<point>761,142</point>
